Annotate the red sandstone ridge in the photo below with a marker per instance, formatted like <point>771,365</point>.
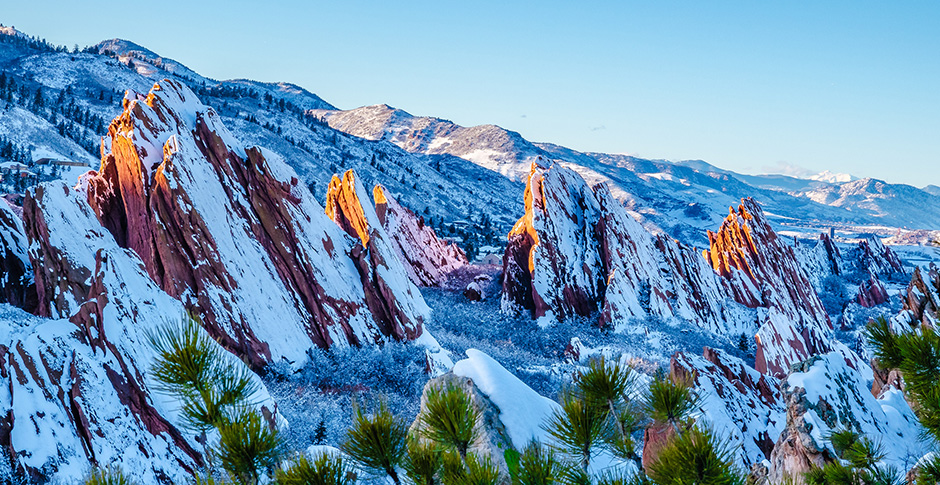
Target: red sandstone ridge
<point>229,230</point>
<point>395,302</point>
<point>427,258</point>
<point>18,288</point>
<point>921,300</point>
<point>871,293</point>
<point>764,274</point>
<point>551,264</point>
<point>745,406</point>
<point>576,251</point>
<point>78,391</point>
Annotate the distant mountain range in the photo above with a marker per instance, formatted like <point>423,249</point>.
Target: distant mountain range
<point>444,171</point>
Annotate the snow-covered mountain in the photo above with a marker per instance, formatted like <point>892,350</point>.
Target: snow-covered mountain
<point>680,198</point>
<point>443,189</point>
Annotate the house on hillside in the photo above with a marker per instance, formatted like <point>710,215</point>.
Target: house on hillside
<point>60,162</point>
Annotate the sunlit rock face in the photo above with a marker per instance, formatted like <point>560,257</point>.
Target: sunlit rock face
<point>576,251</point>
<point>397,307</point>
<point>180,219</point>
<point>764,273</point>
<point>428,259</point>
<point>229,230</point>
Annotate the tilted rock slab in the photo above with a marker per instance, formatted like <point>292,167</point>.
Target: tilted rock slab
<point>743,406</point>
<point>829,393</point>
<point>77,390</point>
<point>17,286</point>
<point>230,231</point>
<point>577,251</point>
<point>428,259</point>
<point>921,301</point>
<point>765,274</point>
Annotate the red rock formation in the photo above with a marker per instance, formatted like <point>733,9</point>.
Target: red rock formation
<point>576,250</point>
<point>230,231</point>
<point>551,265</point>
<point>18,287</point>
<point>878,258</point>
<point>871,293</point>
<point>396,305</point>
<point>744,406</point>
<point>921,300</point>
<point>833,255</point>
<point>78,391</point>
<point>427,258</point>
<point>764,273</point>
<point>827,393</point>
<point>655,438</point>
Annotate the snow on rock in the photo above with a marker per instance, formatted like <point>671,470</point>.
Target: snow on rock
<point>521,410</point>
<point>395,302</point>
<point>878,258</point>
<point>17,284</point>
<point>921,300</point>
<point>426,258</point>
<point>552,266</point>
<point>577,250</point>
<point>871,293</point>
<point>230,230</point>
<point>742,405</point>
<point>764,273</point>
<point>821,260</point>
<point>827,393</point>
<point>656,275</point>
<point>77,390</point>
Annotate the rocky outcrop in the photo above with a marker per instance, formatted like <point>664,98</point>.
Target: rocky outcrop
<point>744,406</point>
<point>827,393</point>
<point>552,265</point>
<point>577,251</point>
<point>78,388</point>
<point>921,301</point>
<point>396,304</point>
<point>492,439</point>
<point>651,275</point>
<point>871,293</point>
<point>511,413</point>
<point>764,273</point>
<point>879,259</point>
<point>17,286</point>
<point>229,230</point>
<point>427,259</point>
<point>822,259</point>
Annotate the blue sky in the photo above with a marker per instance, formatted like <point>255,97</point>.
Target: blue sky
<point>756,86</point>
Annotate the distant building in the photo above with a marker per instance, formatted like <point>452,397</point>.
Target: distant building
<point>492,259</point>
<point>15,168</point>
<point>61,163</point>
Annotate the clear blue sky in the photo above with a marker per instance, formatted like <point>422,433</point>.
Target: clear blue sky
<point>849,86</point>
